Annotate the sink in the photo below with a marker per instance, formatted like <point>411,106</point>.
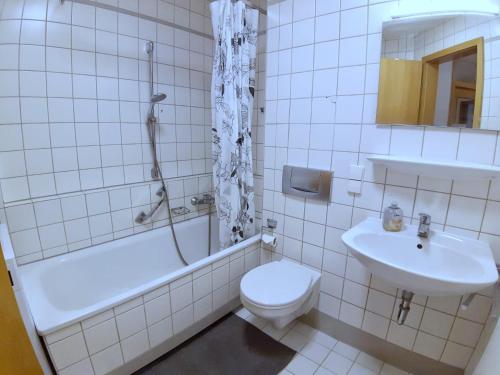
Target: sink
<point>442,265</point>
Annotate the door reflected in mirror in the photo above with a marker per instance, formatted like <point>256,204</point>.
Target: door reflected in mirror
<point>456,92</point>
<point>443,88</point>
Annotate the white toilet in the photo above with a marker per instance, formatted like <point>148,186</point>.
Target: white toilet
<point>280,291</point>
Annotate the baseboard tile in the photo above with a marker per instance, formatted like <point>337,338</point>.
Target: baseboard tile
<point>381,349</point>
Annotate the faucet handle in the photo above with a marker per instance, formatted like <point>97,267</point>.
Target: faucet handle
<point>425,218</point>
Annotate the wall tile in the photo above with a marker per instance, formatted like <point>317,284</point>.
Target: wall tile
<point>68,351</point>
<point>101,336</point>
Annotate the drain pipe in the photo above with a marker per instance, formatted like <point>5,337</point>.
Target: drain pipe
<point>404,306</point>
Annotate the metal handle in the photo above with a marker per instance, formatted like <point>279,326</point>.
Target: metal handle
<point>272,223</point>
<point>425,218</point>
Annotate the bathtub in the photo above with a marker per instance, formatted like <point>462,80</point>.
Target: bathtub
<point>101,308</point>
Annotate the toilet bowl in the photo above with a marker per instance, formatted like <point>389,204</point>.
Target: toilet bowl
<point>280,291</point>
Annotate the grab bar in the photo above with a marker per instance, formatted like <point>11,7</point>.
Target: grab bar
<point>142,217</point>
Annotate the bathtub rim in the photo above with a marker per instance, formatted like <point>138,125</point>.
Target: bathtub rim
<point>45,326</point>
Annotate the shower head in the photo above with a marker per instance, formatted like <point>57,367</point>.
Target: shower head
<point>158,98</point>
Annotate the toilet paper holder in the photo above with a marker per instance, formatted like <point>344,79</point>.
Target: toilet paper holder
<point>268,237</point>
<point>271,226</point>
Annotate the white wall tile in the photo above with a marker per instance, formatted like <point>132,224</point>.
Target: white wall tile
<point>436,323</point>
<point>352,51</point>
<point>466,212</point>
<point>182,319</point>
<point>107,360</point>
<point>456,355</point>
<point>20,217</point>
<point>68,351</point>
<point>353,22</point>
<point>135,345</point>
<point>101,336</point>
<point>157,309</point>
<point>181,297</point>
<point>131,322</point>
<point>82,367</point>
<point>160,331</point>
<point>327,27</point>
<point>303,9</point>
<point>326,55</point>
<point>52,235</point>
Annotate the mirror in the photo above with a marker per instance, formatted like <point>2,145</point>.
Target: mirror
<point>428,79</point>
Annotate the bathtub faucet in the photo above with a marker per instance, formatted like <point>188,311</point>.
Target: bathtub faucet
<point>205,199</point>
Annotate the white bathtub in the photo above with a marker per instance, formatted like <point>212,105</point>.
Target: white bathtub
<point>74,286</point>
<point>69,293</point>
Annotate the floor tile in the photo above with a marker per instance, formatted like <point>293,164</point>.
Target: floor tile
<point>337,363</point>
<point>300,365</point>
<point>315,352</point>
<point>294,340</point>
<point>369,362</point>
<point>305,329</point>
<point>346,350</point>
<point>243,313</point>
<point>275,333</point>
<point>323,371</point>
<point>357,369</point>
<point>324,339</point>
<point>256,321</point>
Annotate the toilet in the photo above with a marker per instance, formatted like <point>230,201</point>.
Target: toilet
<point>280,291</point>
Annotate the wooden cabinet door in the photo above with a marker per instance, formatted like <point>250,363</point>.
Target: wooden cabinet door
<point>16,353</point>
<point>399,91</point>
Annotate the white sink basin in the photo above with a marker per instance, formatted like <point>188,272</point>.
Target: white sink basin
<point>446,264</point>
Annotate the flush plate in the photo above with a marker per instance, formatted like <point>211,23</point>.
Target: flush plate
<point>307,182</point>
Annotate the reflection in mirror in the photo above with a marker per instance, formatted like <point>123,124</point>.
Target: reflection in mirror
<point>431,74</point>
<point>456,91</point>
<point>451,85</point>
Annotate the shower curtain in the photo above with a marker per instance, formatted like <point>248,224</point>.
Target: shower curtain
<point>233,86</point>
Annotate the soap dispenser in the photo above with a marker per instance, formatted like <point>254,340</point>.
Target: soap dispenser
<point>393,218</point>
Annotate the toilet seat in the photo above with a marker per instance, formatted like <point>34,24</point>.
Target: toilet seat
<point>276,285</point>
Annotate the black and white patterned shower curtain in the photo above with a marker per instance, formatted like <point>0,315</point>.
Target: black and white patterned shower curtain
<point>233,86</point>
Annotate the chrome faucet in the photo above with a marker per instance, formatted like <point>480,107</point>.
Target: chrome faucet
<point>205,199</point>
<point>424,226</point>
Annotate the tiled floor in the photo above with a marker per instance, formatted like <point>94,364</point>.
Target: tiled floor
<point>320,354</point>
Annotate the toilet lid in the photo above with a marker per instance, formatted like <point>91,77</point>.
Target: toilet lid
<point>276,283</point>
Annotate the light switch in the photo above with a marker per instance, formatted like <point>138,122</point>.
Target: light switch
<point>356,172</point>
<point>354,187</point>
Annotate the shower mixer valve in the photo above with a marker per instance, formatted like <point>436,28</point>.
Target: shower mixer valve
<point>205,199</point>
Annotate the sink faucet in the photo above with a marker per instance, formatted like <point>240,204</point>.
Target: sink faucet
<point>424,226</point>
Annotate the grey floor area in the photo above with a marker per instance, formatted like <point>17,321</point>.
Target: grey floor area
<point>229,346</point>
